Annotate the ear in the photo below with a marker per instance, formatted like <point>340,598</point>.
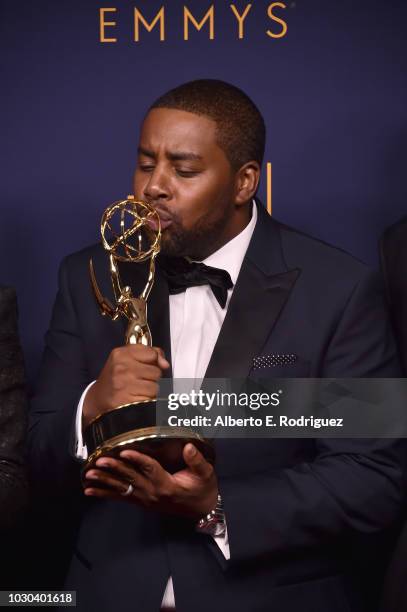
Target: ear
<point>247,181</point>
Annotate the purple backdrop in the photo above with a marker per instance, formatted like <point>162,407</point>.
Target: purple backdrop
<point>333,92</point>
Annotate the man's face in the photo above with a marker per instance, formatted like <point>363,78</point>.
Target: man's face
<point>187,177</point>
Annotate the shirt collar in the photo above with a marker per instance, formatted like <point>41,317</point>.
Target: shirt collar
<point>230,256</point>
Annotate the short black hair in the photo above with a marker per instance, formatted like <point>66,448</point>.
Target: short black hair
<point>240,127</point>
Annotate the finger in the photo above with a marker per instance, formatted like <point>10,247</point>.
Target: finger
<point>148,372</point>
<point>196,461</point>
<point>162,361</point>
<point>159,350</point>
<point>96,492</point>
<point>128,375</point>
<point>140,352</point>
<point>145,464</point>
<point>122,472</point>
<point>134,390</point>
<point>105,479</point>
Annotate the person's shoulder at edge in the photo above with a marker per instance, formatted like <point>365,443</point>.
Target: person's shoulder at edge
<point>75,266</point>
<point>396,230</point>
<point>8,291</point>
<point>74,273</point>
<point>393,245</point>
<point>88,252</point>
<point>8,303</point>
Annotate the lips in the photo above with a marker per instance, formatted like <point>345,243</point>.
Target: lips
<point>165,221</point>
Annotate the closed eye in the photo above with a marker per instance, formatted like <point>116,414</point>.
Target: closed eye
<point>187,173</point>
<point>146,167</point>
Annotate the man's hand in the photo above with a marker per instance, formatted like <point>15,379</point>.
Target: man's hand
<point>130,374</point>
<point>192,492</point>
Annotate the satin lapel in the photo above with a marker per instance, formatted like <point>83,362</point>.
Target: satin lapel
<point>253,311</point>
<point>158,310</point>
<point>261,292</point>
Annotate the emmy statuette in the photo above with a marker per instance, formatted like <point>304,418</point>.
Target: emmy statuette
<point>128,237</point>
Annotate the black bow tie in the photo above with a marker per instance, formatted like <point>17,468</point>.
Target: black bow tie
<point>181,274</point>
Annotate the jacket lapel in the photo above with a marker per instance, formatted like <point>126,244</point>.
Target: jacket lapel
<point>262,289</point>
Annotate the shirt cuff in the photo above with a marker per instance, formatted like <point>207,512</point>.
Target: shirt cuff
<point>223,542</point>
<point>81,452</point>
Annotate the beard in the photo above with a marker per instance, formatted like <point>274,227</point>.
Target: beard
<point>197,242</point>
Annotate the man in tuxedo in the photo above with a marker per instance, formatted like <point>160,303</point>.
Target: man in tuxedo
<point>273,524</point>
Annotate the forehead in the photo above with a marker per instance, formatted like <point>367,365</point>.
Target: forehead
<point>165,128</point>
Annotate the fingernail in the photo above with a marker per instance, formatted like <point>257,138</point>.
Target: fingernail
<point>191,450</point>
<point>103,462</point>
<point>93,475</point>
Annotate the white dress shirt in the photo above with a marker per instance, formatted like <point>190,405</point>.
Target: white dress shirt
<point>195,322</point>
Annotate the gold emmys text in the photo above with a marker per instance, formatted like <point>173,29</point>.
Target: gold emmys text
<point>108,21</point>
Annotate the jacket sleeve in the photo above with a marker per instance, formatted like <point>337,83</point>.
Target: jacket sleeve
<point>62,379</point>
<point>353,486</point>
<point>13,415</point>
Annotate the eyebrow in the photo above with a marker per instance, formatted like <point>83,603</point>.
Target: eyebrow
<point>172,156</point>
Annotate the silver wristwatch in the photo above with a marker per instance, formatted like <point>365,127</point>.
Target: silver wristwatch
<point>213,523</point>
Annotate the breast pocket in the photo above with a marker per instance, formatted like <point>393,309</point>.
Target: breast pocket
<point>280,366</point>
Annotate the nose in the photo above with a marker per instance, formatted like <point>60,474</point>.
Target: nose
<point>157,187</point>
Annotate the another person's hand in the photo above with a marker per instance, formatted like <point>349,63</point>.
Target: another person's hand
<point>191,492</point>
<point>130,374</point>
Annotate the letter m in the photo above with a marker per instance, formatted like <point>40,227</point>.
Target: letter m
<point>189,17</point>
<point>149,26</point>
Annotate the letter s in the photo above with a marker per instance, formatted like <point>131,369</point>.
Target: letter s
<point>277,20</point>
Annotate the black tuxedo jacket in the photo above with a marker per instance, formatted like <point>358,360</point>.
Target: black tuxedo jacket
<point>394,265</point>
<point>295,508</point>
<point>393,250</point>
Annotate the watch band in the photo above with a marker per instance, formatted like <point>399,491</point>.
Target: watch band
<point>213,523</point>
